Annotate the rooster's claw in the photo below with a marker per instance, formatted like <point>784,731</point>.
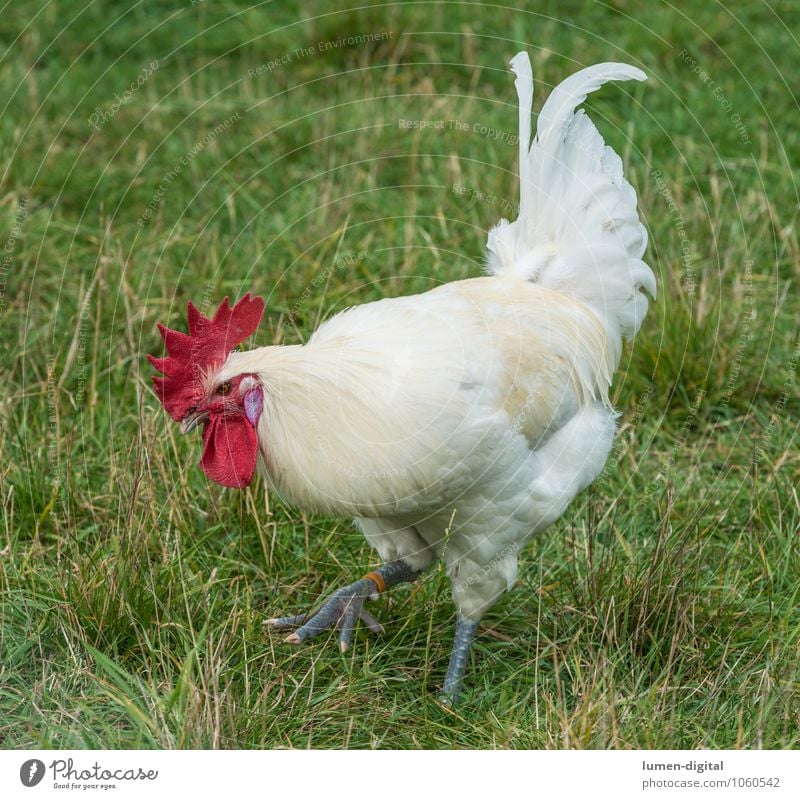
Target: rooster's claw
<point>341,610</point>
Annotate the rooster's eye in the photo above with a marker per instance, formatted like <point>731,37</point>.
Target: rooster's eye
<point>225,388</point>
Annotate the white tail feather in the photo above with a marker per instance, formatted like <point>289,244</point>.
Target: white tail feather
<point>578,230</point>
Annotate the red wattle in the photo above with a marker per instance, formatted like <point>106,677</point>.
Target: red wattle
<point>230,451</point>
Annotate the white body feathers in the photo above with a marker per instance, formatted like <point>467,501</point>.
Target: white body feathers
<point>457,423</point>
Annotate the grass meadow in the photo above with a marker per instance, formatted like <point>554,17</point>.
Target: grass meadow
<point>164,151</point>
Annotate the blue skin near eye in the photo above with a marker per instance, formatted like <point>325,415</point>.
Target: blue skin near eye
<point>253,403</point>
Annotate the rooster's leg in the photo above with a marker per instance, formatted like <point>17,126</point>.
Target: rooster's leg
<point>346,606</point>
<point>465,632</point>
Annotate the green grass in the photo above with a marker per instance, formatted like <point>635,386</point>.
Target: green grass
<point>661,611</point>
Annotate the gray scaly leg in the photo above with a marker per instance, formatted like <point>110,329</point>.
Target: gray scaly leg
<point>346,606</point>
<point>465,633</point>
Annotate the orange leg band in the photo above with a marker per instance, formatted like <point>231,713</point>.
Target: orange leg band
<point>377,579</point>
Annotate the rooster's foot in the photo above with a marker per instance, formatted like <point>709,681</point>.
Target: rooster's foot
<point>465,633</point>
<point>342,610</point>
<point>346,606</point>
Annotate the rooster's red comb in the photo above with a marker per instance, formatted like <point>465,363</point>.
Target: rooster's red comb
<point>207,345</point>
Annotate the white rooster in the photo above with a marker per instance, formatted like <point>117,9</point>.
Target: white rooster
<point>452,425</point>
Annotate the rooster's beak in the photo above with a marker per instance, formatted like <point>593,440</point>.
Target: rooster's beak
<point>191,421</point>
